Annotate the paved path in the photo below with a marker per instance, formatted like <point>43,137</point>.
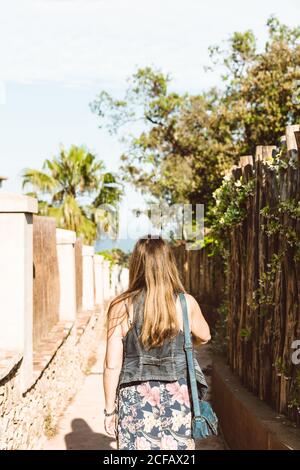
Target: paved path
<point>204,356</point>
<point>81,427</point>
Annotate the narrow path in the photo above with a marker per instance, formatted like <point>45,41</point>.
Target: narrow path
<point>81,427</point>
<point>204,356</point>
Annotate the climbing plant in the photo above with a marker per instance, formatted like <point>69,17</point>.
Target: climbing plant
<point>256,227</point>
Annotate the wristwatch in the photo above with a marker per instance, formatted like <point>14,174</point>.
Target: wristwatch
<point>109,414</point>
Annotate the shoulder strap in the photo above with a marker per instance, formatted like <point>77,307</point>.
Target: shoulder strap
<point>188,347</point>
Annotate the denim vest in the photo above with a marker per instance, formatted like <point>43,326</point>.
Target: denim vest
<point>165,363</point>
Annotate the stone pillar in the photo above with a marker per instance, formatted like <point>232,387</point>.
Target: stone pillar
<point>99,288</point>
<point>88,302</point>
<point>106,280</point>
<point>65,243</point>
<point>16,278</point>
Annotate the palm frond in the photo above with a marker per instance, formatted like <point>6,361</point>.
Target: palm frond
<point>38,180</point>
<point>67,177</point>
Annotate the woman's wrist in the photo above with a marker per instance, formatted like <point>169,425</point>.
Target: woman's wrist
<point>110,411</point>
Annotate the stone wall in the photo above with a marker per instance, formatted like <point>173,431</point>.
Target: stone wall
<point>25,419</point>
<point>53,294</point>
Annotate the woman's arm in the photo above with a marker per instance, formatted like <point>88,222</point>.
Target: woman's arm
<point>113,362</point>
<point>199,326</point>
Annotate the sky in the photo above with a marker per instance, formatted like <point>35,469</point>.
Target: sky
<point>57,55</point>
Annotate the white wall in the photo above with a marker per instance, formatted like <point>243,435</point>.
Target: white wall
<point>88,289</point>
<point>16,277</point>
<point>98,276</point>
<point>65,244</point>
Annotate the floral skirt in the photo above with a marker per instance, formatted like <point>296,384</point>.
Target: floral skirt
<point>155,415</point>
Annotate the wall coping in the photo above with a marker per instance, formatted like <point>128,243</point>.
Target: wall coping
<point>247,422</point>
<point>14,202</point>
<point>65,237</point>
<point>8,361</point>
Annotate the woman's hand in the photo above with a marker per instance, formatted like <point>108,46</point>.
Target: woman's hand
<point>110,425</point>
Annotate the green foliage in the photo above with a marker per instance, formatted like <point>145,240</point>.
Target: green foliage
<point>179,155</point>
<point>183,144</point>
<point>228,211</point>
<point>294,402</point>
<point>245,334</point>
<point>261,88</point>
<point>116,256</point>
<point>263,296</point>
<point>280,367</point>
<point>65,182</point>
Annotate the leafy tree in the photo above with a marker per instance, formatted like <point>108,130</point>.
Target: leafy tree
<point>66,182</point>
<point>170,158</point>
<point>183,143</point>
<point>262,92</point>
<point>116,256</point>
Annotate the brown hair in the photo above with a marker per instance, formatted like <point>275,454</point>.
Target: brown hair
<point>152,267</point>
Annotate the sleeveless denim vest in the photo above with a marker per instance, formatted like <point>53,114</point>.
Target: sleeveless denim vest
<point>165,363</point>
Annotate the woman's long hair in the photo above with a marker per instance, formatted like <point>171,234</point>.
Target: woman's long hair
<point>152,267</point>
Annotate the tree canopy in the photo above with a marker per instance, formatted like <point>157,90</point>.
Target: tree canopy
<point>185,143</point>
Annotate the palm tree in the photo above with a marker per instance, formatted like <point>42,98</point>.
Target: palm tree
<point>66,182</point>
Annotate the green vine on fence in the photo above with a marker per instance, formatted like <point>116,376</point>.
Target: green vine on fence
<point>273,224</point>
<point>279,221</point>
<point>263,296</point>
<point>294,402</point>
<point>230,210</point>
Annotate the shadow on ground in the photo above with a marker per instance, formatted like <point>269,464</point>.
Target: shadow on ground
<point>82,437</point>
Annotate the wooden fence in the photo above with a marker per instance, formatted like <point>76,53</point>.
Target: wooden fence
<point>264,278</point>
<point>202,277</point>
<point>45,278</point>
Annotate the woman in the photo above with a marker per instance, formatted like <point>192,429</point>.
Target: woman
<point>147,401</point>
